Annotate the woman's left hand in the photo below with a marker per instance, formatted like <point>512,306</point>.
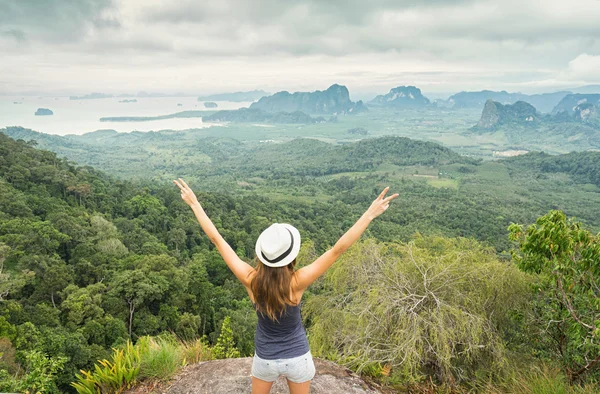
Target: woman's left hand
<point>186,193</point>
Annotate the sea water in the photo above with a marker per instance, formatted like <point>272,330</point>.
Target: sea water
<point>83,116</point>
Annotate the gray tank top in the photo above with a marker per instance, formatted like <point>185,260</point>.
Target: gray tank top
<point>285,338</point>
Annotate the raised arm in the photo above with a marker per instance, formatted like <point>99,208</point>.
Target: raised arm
<point>307,275</point>
<point>240,268</point>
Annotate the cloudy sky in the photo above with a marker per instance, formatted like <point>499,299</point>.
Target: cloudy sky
<point>198,46</point>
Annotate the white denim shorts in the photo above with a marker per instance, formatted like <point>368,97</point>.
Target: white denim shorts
<point>297,370</point>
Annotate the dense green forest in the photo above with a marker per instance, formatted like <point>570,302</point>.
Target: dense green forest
<point>90,260</point>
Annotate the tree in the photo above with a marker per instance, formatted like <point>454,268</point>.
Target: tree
<point>137,288</point>
<point>225,347</point>
<point>5,283</point>
<point>566,259</point>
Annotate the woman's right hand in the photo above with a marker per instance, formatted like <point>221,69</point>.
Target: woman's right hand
<point>380,204</point>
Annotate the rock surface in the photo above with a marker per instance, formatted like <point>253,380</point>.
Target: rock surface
<point>570,102</point>
<point>495,114</point>
<point>402,97</point>
<point>232,376</point>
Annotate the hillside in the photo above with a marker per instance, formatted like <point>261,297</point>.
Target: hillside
<point>334,100</point>
<point>401,97</point>
<point>308,175</point>
<point>78,243</point>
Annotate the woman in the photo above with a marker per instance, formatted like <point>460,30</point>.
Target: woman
<point>276,289</point>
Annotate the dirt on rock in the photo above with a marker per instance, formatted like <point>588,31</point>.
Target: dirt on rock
<point>232,376</point>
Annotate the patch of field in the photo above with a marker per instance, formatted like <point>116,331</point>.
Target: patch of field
<point>443,182</point>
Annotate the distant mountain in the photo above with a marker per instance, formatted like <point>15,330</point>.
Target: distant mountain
<point>521,125</point>
<point>587,89</point>
<point>570,102</point>
<point>401,97</point>
<point>543,102</point>
<point>235,97</point>
<point>248,115</point>
<point>573,109</point>
<point>495,114</point>
<point>335,100</point>
<point>478,99</point>
<point>588,113</point>
<point>91,96</point>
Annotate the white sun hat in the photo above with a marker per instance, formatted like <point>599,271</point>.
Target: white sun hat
<point>278,245</point>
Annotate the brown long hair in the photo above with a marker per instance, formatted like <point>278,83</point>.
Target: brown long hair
<point>271,287</point>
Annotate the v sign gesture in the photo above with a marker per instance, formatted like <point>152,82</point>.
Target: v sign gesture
<point>307,275</point>
<point>380,204</point>
<point>186,193</point>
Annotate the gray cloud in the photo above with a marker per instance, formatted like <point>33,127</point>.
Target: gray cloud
<point>16,34</point>
<point>293,44</point>
<point>54,20</point>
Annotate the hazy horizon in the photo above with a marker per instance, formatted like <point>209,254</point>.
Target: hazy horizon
<point>443,46</point>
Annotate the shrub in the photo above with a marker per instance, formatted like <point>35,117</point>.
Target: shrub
<point>111,376</point>
<point>39,377</point>
<point>433,307</point>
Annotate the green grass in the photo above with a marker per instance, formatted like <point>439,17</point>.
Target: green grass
<point>161,357</point>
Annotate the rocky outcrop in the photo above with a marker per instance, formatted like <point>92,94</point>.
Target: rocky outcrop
<point>587,113</point>
<point>232,376</point>
<point>334,100</point>
<point>543,102</point>
<point>402,97</point>
<point>495,114</point>
<point>570,102</point>
<point>43,112</point>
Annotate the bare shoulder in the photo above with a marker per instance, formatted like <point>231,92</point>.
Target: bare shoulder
<point>297,291</point>
<point>247,284</point>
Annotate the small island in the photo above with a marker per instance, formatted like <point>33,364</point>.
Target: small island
<point>91,96</point>
<point>179,105</point>
<point>210,104</point>
<point>43,112</point>
<point>128,101</point>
